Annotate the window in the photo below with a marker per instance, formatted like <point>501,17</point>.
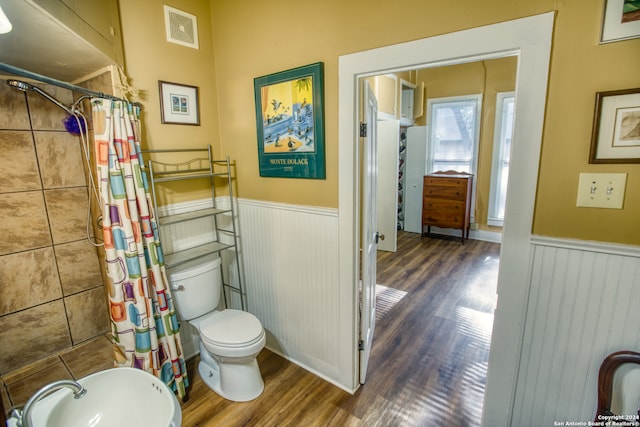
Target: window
<point>454,132</point>
<point>501,154</point>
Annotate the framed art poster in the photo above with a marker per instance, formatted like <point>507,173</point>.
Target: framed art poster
<point>621,20</point>
<point>290,123</point>
<point>616,127</point>
<point>178,104</point>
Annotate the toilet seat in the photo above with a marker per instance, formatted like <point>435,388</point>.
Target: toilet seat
<point>230,329</point>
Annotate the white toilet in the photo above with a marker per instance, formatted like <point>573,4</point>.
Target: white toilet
<point>230,340</point>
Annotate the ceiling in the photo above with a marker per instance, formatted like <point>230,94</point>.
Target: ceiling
<point>40,44</point>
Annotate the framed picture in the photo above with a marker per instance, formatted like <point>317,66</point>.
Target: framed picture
<point>621,20</point>
<point>616,127</point>
<point>290,123</point>
<point>178,104</point>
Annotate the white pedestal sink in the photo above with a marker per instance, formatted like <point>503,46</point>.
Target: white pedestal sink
<point>121,397</point>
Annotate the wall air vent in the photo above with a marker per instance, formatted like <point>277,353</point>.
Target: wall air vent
<point>181,27</point>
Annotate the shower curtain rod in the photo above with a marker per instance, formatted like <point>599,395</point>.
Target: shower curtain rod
<point>44,79</point>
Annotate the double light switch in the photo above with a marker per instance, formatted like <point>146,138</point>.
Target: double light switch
<point>601,190</point>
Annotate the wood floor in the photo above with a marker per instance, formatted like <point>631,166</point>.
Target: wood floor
<point>429,357</point>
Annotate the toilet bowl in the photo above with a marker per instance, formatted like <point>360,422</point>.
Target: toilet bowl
<point>230,340</point>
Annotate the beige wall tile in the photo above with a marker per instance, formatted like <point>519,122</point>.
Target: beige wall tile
<point>27,257</point>
<point>24,222</point>
<point>86,359</point>
<point>33,368</point>
<point>18,162</point>
<point>87,314</point>
<point>78,266</point>
<point>23,389</point>
<point>60,160</point>
<point>13,100</point>
<point>100,83</point>
<point>27,279</point>
<point>67,209</point>
<point>45,115</point>
<point>32,334</point>
<point>6,402</point>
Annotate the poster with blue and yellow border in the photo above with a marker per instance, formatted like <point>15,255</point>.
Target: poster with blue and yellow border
<point>290,123</point>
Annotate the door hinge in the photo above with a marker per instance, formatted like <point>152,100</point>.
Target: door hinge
<point>363,129</point>
<point>360,345</point>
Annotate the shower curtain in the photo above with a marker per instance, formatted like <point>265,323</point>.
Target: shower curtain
<point>143,319</point>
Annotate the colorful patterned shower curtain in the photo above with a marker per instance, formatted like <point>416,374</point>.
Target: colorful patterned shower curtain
<point>143,319</point>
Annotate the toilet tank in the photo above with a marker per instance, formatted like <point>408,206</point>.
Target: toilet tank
<point>196,286</point>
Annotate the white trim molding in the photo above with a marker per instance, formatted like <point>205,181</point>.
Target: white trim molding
<point>530,40</point>
<point>587,245</point>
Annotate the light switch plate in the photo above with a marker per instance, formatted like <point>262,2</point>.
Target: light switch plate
<point>601,190</point>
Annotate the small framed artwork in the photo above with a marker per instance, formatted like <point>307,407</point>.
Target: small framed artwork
<point>621,20</point>
<point>616,127</point>
<point>290,123</point>
<point>178,104</point>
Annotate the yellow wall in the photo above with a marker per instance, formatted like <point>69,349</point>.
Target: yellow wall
<point>150,58</point>
<point>269,37</point>
<point>580,68</point>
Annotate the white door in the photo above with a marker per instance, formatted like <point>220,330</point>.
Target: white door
<point>388,136</point>
<point>416,158</point>
<point>369,231</point>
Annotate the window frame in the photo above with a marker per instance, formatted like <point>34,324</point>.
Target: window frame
<point>497,158</point>
<point>473,163</point>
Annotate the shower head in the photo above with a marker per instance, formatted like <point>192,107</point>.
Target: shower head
<point>20,85</point>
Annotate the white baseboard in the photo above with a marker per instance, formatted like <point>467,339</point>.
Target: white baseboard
<point>484,235</point>
<point>310,369</point>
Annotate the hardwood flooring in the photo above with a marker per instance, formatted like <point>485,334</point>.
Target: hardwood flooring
<point>429,357</point>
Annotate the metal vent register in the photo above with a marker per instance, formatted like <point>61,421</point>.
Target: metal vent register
<point>181,27</point>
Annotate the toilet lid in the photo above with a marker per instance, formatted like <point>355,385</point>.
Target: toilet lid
<point>231,328</point>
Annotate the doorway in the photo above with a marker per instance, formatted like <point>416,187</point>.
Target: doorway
<point>530,40</point>
<point>455,301</point>
<point>444,133</point>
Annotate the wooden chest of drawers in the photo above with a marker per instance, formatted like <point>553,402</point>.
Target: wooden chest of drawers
<point>446,201</point>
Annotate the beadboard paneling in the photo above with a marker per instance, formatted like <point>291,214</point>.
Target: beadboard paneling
<point>583,305</point>
<point>184,235</point>
<point>290,261</point>
<point>290,274</point>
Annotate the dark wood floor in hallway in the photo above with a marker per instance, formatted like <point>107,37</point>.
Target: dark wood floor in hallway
<point>429,357</point>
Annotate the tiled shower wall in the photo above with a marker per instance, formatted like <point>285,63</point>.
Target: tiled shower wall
<point>51,288</point>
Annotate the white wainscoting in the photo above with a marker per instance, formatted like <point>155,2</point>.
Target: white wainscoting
<point>290,257</point>
<point>184,235</point>
<point>290,273</point>
<point>584,304</point>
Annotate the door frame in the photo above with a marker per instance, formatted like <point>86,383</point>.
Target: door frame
<point>530,40</point>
